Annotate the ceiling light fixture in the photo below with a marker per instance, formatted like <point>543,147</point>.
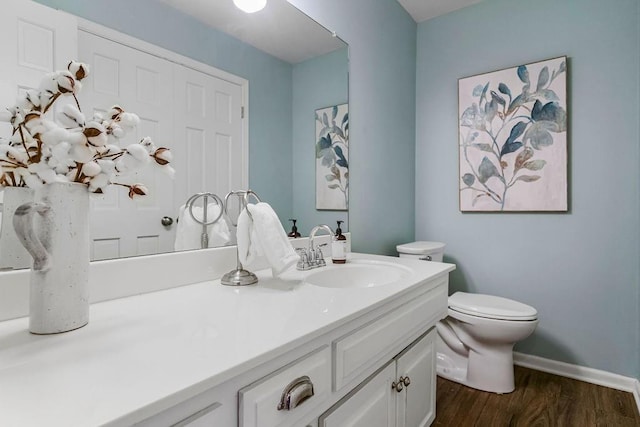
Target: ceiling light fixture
<point>250,6</point>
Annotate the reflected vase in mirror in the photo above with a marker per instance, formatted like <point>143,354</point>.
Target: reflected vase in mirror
<point>12,254</point>
<point>55,231</point>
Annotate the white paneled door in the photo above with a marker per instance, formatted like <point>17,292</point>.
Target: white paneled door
<point>36,40</point>
<point>209,127</point>
<point>195,114</point>
<point>143,84</point>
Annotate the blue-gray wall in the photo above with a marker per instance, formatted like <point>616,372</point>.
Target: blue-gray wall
<point>382,57</point>
<point>269,79</point>
<point>579,269</point>
<point>317,83</point>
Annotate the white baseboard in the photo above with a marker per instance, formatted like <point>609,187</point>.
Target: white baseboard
<point>581,373</point>
<point>636,393</point>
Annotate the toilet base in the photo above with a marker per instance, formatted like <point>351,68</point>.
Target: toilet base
<point>491,370</point>
<point>501,383</point>
<point>448,370</point>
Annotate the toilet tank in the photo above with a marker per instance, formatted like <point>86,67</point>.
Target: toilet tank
<point>427,251</point>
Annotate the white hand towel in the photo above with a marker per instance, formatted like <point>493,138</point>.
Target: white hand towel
<point>264,235</point>
<point>189,231</point>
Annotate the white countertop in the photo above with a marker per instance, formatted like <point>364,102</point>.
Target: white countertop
<point>138,350</point>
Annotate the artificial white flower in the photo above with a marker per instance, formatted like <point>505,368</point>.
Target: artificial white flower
<point>46,174</point>
<point>129,120</point>
<point>71,116</point>
<point>91,169</point>
<point>99,182</point>
<point>78,69</point>
<point>148,144</point>
<point>66,82</point>
<point>96,134</point>
<point>81,153</point>
<point>55,136</point>
<point>117,131</point>
<point>138,152</point>
<point>72,148</point>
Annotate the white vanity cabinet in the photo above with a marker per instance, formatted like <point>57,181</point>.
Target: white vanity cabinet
<point>383,369</point>
<point>402,394</point>
<point>284,353</point>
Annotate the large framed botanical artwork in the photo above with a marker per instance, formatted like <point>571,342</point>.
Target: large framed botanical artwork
<point>513,139</point>
<point>332,158</point>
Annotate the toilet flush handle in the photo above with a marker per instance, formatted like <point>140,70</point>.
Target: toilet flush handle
<point>426,258</point>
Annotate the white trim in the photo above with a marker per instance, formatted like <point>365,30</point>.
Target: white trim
<point>636,394</point>
<point>581,373</point>
<point>151,49</point>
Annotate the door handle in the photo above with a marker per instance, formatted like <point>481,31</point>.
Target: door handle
<point>166,221</point>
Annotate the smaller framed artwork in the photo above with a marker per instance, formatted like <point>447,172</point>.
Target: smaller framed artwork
<point>513,139</point>
<point>332,158</point>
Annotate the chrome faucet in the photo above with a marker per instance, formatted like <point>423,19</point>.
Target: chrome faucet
<point>313,257</point>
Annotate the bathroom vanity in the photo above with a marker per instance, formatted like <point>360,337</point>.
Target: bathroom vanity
<point>331,349</point>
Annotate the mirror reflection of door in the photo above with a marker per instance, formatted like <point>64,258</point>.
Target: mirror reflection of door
<point>197,115</point>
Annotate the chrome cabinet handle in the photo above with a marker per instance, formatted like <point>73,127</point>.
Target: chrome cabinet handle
<point>406,381</point>
<point>295,393</point>
<point>401,384</point>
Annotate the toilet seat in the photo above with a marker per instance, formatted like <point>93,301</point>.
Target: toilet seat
<point>491,307</point>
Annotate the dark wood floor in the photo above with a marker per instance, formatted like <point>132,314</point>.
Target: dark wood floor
<point>540,399</point>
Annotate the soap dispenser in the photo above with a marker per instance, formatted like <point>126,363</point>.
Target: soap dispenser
<point>294,230</point>
<point>339,246</point>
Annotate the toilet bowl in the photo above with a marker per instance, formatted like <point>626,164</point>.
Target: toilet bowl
<point>475,341</point>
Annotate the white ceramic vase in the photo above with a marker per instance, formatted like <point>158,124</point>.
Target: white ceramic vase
<point>12,254</point>
<point>55,230</point>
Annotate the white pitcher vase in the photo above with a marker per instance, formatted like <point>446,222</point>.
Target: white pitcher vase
<point>54,228</point>
<point>12,254</point>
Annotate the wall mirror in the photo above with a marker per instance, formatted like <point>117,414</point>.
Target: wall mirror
<point>275,68</point>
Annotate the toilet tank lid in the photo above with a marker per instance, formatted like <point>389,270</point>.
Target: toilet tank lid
<point>492,307</point>
<point>420,248</point>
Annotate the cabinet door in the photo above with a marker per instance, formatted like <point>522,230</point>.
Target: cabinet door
<point>373,405</point>
<point>416,403</point>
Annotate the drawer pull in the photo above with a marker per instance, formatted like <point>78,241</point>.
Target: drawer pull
<point>295,393</point>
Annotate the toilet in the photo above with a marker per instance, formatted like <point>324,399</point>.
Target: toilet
<point>475,341</point>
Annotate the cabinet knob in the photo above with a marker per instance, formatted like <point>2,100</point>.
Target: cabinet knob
<point>296,392</point>
<point>406,381</point>
<point>397,386</point>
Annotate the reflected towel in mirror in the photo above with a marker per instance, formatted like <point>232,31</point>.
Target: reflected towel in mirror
<point>264,235</point>
<point>189,231</point>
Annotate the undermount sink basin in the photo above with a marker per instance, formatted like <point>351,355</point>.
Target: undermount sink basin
<point>358,274</point>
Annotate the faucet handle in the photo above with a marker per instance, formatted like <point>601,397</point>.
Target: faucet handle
<point>320,262</point>
<point>312,257</point>
<point>303,262</point>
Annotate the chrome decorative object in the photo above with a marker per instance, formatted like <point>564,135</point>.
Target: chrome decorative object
<point>239,276</point>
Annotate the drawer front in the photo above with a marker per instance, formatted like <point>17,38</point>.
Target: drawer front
<point>361,350</point>
<point>259,403</point>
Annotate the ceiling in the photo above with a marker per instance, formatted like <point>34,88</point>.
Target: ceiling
<point>286,33</point>
<point>421,10</point>
<point>279,29</point>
